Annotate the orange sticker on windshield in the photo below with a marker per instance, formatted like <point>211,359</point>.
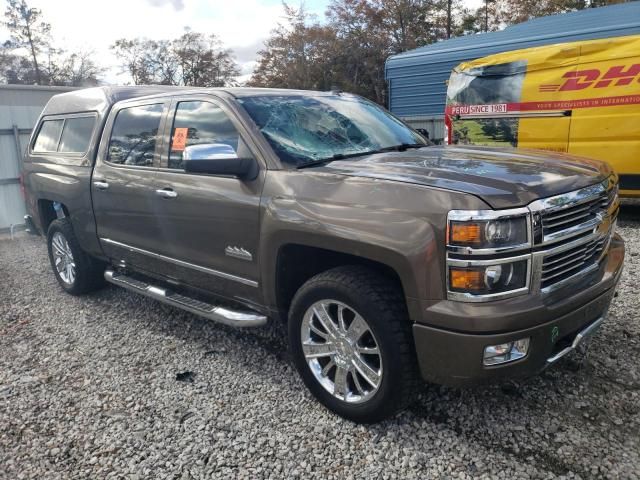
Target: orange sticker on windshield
<point>179,139</point>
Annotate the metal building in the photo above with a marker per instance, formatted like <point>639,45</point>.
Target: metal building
<point>417,78</point>
<point>20,106</point>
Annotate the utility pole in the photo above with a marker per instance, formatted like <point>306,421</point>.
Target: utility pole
<point>486,16</point>
<point>449,2</point>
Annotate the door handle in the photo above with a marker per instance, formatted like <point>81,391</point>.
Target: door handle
<point>166,193</point>
<point>101,184</point>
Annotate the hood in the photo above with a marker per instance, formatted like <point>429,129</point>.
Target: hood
<point>503,178</point>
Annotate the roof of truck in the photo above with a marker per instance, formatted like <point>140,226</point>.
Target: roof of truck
<point>100,99</point>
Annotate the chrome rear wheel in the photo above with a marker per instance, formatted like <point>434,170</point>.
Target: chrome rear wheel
<point>75,270</point>
<point>63,258</point>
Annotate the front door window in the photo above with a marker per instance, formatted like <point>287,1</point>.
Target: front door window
<point>198,122</point>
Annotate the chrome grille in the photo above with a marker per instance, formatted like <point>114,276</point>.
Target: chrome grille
<point>577,227</point>
<point>557,267</point>
<point>572,215</point>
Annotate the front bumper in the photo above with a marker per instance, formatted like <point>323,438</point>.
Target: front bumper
<point>456,357</point>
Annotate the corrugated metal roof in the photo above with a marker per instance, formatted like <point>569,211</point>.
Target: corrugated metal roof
<point>417,77</point>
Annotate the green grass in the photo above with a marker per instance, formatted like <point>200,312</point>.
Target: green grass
<point>475,134</point>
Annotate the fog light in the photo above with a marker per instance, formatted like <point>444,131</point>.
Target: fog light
<point>506,352</point>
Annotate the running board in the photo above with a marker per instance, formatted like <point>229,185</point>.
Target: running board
<point>218,313</point>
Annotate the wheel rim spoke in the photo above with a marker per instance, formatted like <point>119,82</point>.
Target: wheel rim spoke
<point>367,350</point>
<point>63,258</point>
<point>325,320</point>
<point>317,350</point>
<point>327,368</point>
<point>369,374</point>
<point>341,350</point>
<point>340,382</point>
<point>356,382</point>
<point>319,332</point>
<point>71,274</point>
<point>341,321</point>
<point>57,243</point>
<point>357,328</point>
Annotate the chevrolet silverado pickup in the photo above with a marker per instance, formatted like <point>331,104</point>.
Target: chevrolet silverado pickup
<point>388,259</point>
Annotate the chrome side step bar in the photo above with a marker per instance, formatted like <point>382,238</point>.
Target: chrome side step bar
<point>218,313</point>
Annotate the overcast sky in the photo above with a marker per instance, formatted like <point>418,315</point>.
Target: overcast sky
<point>242,25</point>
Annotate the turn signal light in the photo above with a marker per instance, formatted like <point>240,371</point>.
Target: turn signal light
<point>488,279</point>
<point>464,233</point>
<point>464,279</point>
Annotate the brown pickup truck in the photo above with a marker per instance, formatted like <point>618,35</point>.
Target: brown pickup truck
<point>388,258</point>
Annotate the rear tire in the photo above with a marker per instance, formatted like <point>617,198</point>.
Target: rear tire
<point>76,271</point>
<point>362,365</point>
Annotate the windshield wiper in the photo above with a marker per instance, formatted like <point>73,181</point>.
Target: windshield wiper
<point>402,147</point>
<point>341,156</point>
<point>337,156</point>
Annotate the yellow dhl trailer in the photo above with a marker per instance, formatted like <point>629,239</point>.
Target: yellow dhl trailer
<point>580,97</point>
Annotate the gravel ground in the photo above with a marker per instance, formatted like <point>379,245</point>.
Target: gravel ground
<point>89,389</point>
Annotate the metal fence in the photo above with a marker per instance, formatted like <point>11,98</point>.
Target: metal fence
<point>20,106</point>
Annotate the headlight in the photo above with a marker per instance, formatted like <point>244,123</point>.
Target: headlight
<point>488,254</point>
<point>494,233</point>
<point>488,279</point>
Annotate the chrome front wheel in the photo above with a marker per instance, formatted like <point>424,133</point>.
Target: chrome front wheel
<point>341,351</point>
<point>63,258</point>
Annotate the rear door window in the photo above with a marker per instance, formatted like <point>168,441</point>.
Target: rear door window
<point>48,136</point>
<point>76,134</point>
<point>134,135</point>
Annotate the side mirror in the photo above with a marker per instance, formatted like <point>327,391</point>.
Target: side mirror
<point>218,159</point>
<point>424,132</point>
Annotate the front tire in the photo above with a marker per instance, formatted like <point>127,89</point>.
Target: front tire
<point>76,271</point>
<point>351,341</point>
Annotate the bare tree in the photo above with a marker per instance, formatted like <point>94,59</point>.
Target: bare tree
<point>134,60</point>
<point>300,53</point>
<point>29,56</point>
<point>28,30</point>
<point>194,59</point>
<point>203,62</point>
<point>350,48</point>
<point>80,70</point>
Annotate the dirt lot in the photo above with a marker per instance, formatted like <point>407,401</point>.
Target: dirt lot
<point>89,389</point>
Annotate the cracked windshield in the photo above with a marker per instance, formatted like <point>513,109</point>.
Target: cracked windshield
<point>307,129</point>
